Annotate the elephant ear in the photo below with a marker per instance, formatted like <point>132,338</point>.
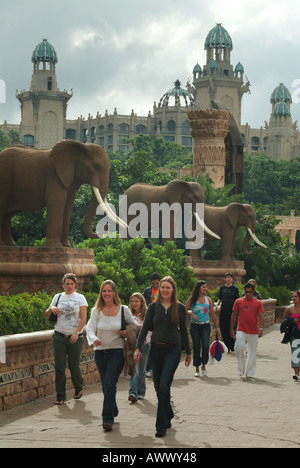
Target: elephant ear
<point>63,157</point>
<point>175,188</point>
<point>233,212</point>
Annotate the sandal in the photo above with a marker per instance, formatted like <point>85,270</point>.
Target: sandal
<point>78,395</point>
<point>59,402</point>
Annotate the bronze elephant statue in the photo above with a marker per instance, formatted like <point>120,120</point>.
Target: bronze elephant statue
<point>175,192</point>
<point>31,179</point>
<point>225,221</point>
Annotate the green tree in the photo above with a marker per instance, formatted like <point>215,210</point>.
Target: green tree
<point>275,184</point>
<point>8,139</point>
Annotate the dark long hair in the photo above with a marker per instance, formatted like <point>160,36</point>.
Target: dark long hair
<point>196,291</point>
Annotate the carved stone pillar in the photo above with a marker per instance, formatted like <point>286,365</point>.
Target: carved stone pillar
<point>209,130</point>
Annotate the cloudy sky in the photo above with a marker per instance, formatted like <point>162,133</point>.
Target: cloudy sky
<point>128,53</point>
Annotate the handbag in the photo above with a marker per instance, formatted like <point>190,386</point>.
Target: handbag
<point>53,317</point>
<point>123,321</point>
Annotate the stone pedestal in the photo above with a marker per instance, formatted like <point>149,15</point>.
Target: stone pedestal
<point>209,130</point>
<point>213,271</point>
<point>32,269</point>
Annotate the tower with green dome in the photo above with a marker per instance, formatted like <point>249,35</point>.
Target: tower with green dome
<point>218,80</point>
<point>44,106</point>
<point>281,131</point>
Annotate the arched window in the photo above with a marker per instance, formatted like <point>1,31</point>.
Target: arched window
<point>171,126</point>
<point>28,140</point>
<point>255,143</point>
<point>140,130</point>
<point>123,135</point>
<point>70,134</point>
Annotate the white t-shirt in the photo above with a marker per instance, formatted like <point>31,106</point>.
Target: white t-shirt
<point>69,305</point>
<point>106,329</point>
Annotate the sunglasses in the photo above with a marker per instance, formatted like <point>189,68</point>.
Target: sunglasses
<point>248,292</point>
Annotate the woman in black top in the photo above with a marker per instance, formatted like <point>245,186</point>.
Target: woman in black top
<point>166,318</point>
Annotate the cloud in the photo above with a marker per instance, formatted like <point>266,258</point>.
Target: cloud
<point>128,54</point>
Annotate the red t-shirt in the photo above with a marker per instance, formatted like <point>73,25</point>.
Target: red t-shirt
<point>248,311</point>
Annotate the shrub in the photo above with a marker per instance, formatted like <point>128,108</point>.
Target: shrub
<point>24,313</point>
<point>130,265</point>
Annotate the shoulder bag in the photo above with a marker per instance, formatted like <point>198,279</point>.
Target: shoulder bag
<point>53,317</point>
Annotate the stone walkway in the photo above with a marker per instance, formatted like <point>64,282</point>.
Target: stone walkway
<point>221,410</point>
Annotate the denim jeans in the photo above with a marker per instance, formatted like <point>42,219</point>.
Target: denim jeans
<point>110,363</point>
<point>138,381</point>
<point>164,362</point>
<point>63,348</point>
<point>200,335</point>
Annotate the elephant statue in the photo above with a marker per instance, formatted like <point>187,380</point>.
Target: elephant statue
<point>31,179</point>
<point>176,191</point>
<point>225,221</point>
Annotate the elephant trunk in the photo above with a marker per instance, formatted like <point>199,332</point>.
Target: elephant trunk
<point>250,235</point>
<point>91,211</point>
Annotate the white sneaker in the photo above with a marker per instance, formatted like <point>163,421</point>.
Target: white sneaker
<point>197,374</point>
<point>204,373</point>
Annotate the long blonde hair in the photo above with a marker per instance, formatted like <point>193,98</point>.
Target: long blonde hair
<point>143,303</point>
<point>170,280</point>
<point>100,302</point>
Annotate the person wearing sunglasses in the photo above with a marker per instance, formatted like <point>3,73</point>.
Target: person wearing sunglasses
<point>250,314</point>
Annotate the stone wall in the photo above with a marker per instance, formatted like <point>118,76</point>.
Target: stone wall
<point>28,373</point>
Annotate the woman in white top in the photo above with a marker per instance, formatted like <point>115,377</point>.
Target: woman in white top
<point>104,332</point>
<point>71,309</point>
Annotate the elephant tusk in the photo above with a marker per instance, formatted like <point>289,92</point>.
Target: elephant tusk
<point>204,227</point>
<point>107,210</point>
<point>119,220</point>
<point>256,239</point>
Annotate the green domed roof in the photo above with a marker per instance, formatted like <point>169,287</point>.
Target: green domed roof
<point>177,93</point>
<point>213,64</point>
<point>281,108</point>
<point>281,93</point>
<point>239,68</point>
<point>197,68</point>
<point>44,52</point>
<point>218,37</point>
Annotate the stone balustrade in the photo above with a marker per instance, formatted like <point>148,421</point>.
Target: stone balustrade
<point>28,373</point>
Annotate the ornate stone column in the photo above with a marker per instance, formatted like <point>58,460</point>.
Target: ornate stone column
<point>209,130</point>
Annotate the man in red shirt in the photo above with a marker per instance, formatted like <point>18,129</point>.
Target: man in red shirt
<point>250,314</point>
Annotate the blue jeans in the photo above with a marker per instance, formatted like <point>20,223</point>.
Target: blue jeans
<point>164,362</point>
<point>200,335</point>
<point>110,363</point>
<point>138,381</point>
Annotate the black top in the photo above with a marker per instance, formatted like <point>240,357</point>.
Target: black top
<point>159,321</point>
<point>228,295</point>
